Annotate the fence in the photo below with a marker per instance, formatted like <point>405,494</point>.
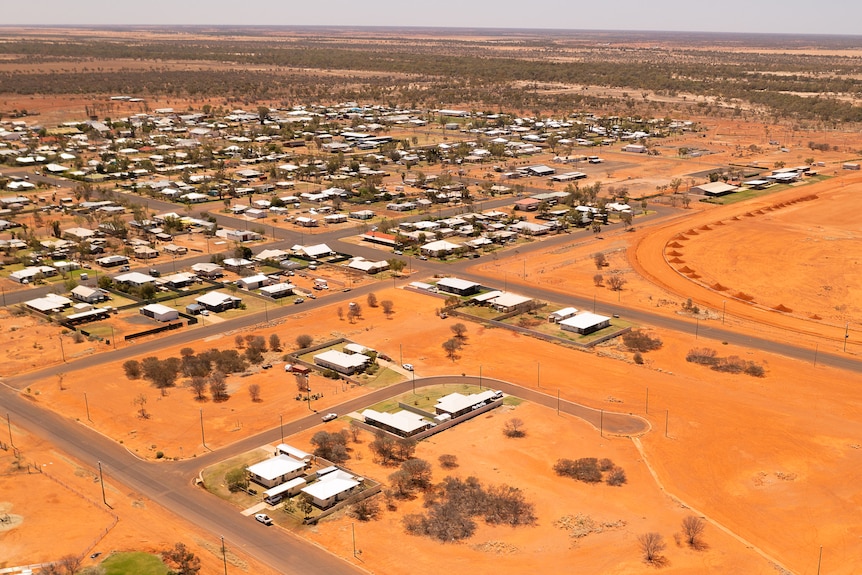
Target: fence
<point>160,329</point>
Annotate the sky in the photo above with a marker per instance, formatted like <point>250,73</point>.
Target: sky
<point>769,16</point>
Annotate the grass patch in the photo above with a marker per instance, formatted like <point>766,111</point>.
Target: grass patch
<point>134,562</point>
<point>383,378</point>
<point>743,195</point>
<point>426,398</point>
<point>213,476</point>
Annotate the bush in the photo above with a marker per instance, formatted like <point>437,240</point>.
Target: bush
<point>638,358</point>
<point>160,454</point>
<point>132,368</point>
<point>304,340</point>
<point>616,477</point>
<point>365,510</point>
<point>701,355</point>
<point>448,461</point>
<point>637,340</point>
<point>585,469</point>
<point>755,370</point>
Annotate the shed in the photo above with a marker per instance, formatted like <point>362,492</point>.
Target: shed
<point>585,323</point>
<point>159,312</point>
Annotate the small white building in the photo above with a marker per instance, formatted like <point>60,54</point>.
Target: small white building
<point>561,314</point>
<point>254,282</point>
<point>160,312</point>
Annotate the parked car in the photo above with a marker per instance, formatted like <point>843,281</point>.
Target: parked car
<point>298,300</point>
<point>329,417</point>
<point>155,273</point>
<point>263,518</point>
<point>407,366</point>
<point>125,268</point>
<point>384,357</point>
<point>266,366</point>
<point>205,312</point>
<point>398,252</point>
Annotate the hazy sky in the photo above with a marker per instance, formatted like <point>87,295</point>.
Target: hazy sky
<point>789,16</point>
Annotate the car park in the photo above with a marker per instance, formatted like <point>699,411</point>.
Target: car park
<point>263,518</point>
<point>329,417</point>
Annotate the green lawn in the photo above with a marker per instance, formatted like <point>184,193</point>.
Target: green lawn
<point>747,194</point>
<point>136,563</point>
<point>425,398</point>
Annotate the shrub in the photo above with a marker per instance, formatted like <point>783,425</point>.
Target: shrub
<point>638,358</point>
<point>701,355</point>
<point>637,340</point>
<point>585,469</point>
<point>160,454</point>
<point>616,477</point>
<point>132,368</point>
<point>448,461</point>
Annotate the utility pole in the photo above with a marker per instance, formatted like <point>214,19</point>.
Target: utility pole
<point>646,407</point>
<point>224,555</point>
<point>62,351</point>
<point>846,335</point>
<point>723,311</point>
<point>203,438</point>
<point>87,405</point>
<point>281,426</point>
<point>602,423</point>
<point>9,425</point>
<point>558,402</point>
<point>353,529</point>
<point>102,481</point>
<point>538,367</point>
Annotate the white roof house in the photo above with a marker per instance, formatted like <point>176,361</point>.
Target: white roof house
<point>276,470</point>
<point>456,403</point>
<point>368,266</point>
<point>509,301</point>
<point>330,488</point>
<point>715,188</point>
<point>50,303</point>
<point>585,323</point>
<point>458,286</point>
<point>293,452</point>
<point>404,423</point>
<point>88,294</point>
<point>341,362</point>
<point>439,247</point>
<point>217,301</point>
<point>314,251</point>
<point>254,282</point>
<point>135,278</point>
<point>277,290</point>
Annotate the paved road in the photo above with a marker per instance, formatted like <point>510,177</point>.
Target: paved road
<point>170,484</point>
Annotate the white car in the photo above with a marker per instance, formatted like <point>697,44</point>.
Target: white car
<point>407,366</point>
<point>263,518</point>
<point>329,417</point>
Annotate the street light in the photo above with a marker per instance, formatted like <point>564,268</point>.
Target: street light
<point>723,310</point>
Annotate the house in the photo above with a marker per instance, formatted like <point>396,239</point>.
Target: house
<point>362,215</point>
<point>276,291</point>
<point>456,404</point>
<point>88,294</point>
<point>76,234</point>
<point>509,302</point>
<point>276,470</point>
<point>585,323</point>
<point>335,218</point>
<point>458,286</point>
<point>401,423</point>
<point>314,252</point>
<point>175,250</point>
<point>530,228</point>
<point>29,274</point>
<point>51,303</point>
<point>361,264</point>
<point>241,235</point>
<point>568,177</point>
<point>439,248</point>
<point>134,279</point>
<point>850,166</point>
<point>714,189</point>
<point>112,261</point>
<point>274,255</point>
<point>237,264</point>
<point>635,148</point>
<point>217,301</point>
<point>145,252</point>
<point>254,282</point>
<point>179,280</point>
<point>561,314</point>
<point>527,204</point>
<point>305,222</point>
<point>208,270</point>
<point>341,362</point>
<point>380,238</point>
<point>159,312</point>
<point>331,488</point>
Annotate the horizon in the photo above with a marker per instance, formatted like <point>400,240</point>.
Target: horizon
<point>768,17</point>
